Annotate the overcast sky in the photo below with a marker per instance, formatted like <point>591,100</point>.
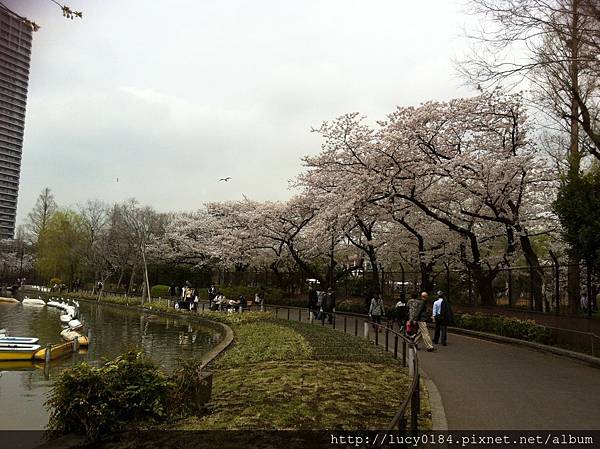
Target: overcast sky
<point>169,96</point>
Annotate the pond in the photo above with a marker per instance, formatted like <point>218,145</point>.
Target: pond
<point>24,385</point>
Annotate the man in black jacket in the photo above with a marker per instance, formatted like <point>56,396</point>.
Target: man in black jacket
<point>442,316</point>
<point>312,301</point>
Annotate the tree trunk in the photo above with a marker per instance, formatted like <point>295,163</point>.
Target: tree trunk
<point>535,272</point>
<point>573,271</point>
<point>121,274</point>
<point>131,279</point>
<point>426,277</point>
<point>484,285</point>
<point>573,284</point>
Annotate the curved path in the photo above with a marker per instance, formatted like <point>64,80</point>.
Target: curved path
<point>486,385</point>
<point>497,386</point>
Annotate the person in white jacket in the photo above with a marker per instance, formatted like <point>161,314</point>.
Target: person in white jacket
<point>376,311</point>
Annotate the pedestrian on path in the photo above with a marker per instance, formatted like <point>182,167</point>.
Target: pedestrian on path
<point>442,316</point>
<point>417,312</point>
<point>312,302</point>
<point>329,305</point>
<point>212,294</point>
<point>376,311</point>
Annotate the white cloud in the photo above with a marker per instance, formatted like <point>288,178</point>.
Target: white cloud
<point>170,96</point>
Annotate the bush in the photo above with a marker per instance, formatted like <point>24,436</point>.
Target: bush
<point>159,290</point>
<point>54,281</point>
<point>507,326</point>
<point>95,401</point>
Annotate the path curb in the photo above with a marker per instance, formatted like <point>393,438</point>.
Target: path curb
<point>537,346</point>
<point>436,405</point>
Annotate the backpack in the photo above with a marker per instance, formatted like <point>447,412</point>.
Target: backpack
<point>411,328</point>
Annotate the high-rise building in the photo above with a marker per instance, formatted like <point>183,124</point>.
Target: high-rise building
<point>15,52</point>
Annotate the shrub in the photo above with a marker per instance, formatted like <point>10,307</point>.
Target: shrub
<point>511,327</point>
<point>94,401</point>
<point>54,281</point>
<point>159,290</point>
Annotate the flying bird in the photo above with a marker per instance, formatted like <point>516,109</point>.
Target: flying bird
<point>225,179</point>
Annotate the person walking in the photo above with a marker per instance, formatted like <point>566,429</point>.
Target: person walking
<point>312,303</point>
<point>400,314</point>
<point>212,293</point>
<point>417,313</point>
<point>329,305</point>
<point>376,311</point>
<point>442,316</point>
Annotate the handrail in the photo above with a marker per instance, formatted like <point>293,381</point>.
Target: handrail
<point>413,396</point>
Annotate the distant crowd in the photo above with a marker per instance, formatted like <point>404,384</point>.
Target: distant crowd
<point>187,297</point>
<point>411,316</point>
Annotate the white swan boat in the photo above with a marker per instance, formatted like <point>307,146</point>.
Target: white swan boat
<point>54,304</point>
<point>70,335</point>
<point>65,318</point>
<point>33,302</point>
<point>74,324</point>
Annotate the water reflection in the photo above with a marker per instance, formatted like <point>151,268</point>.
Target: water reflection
<point>24,385</point>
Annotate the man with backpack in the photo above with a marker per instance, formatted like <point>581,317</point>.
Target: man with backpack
<point>417,317</point>
<point>442,316</point>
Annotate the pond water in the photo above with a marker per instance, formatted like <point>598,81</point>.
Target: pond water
<point>24,385</point>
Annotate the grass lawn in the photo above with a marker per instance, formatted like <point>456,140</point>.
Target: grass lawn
<point>287,375</point>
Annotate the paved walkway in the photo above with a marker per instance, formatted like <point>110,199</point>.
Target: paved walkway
<point>494,386</point>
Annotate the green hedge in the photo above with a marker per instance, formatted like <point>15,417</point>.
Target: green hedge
<point>159,291</point>
<point>506,326</point>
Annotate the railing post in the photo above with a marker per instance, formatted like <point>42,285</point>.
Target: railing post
<point>276,312</point>
<point>333,319</point>
<point>299,315</point>
<point>387,332</point>
<point>395,346</point>
<point>48,354</point>
<point>76,344</point>
<point>377,336</point>
<point>404,353</point>
<point>411,360</point>
<point>344,324</point>
<point>311,317</point>
<point>288,313</point>
<point>402,429</point>
<point>414,409</point>
<point>366,330</point>
<point>355,327</point>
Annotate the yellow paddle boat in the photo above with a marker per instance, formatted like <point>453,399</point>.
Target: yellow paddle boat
<point>15,351</point>
<point>56,351</point>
